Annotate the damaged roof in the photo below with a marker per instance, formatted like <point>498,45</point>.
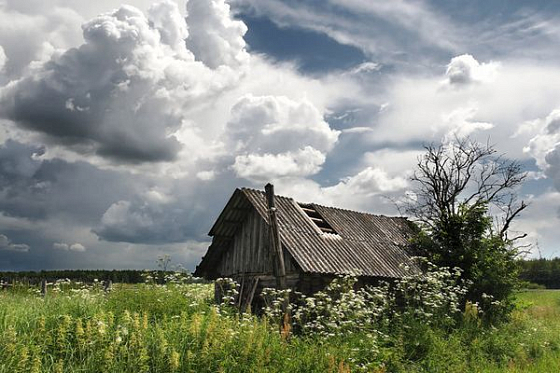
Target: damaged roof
<point>357,243</point>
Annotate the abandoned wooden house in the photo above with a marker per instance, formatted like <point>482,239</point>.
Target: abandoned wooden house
<point>316,244</point>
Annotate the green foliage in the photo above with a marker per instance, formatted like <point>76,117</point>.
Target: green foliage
<point>92,331</point>
<point>464,204</point>
<point>545,272</point>
<point>465,239</point>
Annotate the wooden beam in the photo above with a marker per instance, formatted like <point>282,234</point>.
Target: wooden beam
<point>274,237</point>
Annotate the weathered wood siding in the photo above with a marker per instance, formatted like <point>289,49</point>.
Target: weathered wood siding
<point>249,252</point>
<point>310,283</point>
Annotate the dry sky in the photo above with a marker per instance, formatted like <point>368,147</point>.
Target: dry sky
<point>125,128</point>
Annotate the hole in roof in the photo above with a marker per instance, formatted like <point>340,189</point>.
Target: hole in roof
<point>316,218</point>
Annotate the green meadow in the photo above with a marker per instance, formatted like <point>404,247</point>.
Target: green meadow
<point>177,328</point>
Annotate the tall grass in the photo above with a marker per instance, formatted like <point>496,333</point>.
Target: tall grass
<point>176,328</point>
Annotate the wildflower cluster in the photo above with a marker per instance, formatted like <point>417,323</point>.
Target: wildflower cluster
<point>177,277</point>
<point>228,291</point>
<point>433,298</point>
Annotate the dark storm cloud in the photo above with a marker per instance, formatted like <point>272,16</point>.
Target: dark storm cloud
<point>124,92</point>
<point>86,97</point>
<point>7,245</point>
<point>33,188</point>
<point>75,110</point>
<point>185,211</point>
<point>46,204</point>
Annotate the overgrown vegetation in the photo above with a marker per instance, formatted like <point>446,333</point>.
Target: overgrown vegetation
<point>176,328</point>
<point>464,203</point>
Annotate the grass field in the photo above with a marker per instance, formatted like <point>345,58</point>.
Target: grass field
<point>175,328</point>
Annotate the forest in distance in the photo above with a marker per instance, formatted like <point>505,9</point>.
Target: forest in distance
<point>542,272</point>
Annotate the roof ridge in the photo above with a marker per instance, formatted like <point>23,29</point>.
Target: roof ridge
<point>327,207</point>
<point>359,212</point>
<point>263,192</point>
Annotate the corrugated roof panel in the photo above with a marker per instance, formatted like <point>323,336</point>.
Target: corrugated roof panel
<point>368,244</point>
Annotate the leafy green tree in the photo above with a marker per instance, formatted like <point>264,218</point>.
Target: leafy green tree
<point>464,202</point>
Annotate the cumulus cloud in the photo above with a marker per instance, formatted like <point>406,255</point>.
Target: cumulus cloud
<point>461,122</point>
<point>32,32</point>
<point>370,181</point>
<point>165,17</point>
<point>125,91</point>
<point>132,91</point>
<point>371,189</point>
<point>303,162</point>
<point>215,38</point>
<point>8,245</point>
<point>465,69</point>
<point>275,136</point>
<point>543,145</point>
<point>77,247</point>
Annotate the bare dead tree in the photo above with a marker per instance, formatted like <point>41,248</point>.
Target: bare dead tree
<point>463,175</point>
<point>464,202</point>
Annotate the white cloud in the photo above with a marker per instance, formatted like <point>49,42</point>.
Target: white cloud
<point>206,175</point>
<point>371,190</point>
<point>263,167</point>
<point>465,69</point>
<point>7,245</point>
<point>167,19</point>
<point>401,161</point>
<point>422,110</point>
<point>275,136</point>
<point>215,38</point>
<point>544,147</point>
<point>76,247</point>
<point>26,35</point>
<point>461,122</point>
<point>546,140</point>
<point>366,67</point>
<point>276,124</point>
<point>60,246</point>
<point>368,182</point>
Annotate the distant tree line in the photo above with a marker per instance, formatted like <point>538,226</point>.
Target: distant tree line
<point>130,276</point>
<point>544,272</point>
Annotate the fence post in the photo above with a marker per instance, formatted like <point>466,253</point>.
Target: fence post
<point>43,288</point>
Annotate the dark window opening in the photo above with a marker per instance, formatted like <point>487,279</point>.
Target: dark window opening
<point>316,218</point>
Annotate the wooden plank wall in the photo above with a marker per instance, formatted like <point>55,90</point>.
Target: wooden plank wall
<point>249,253</point>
